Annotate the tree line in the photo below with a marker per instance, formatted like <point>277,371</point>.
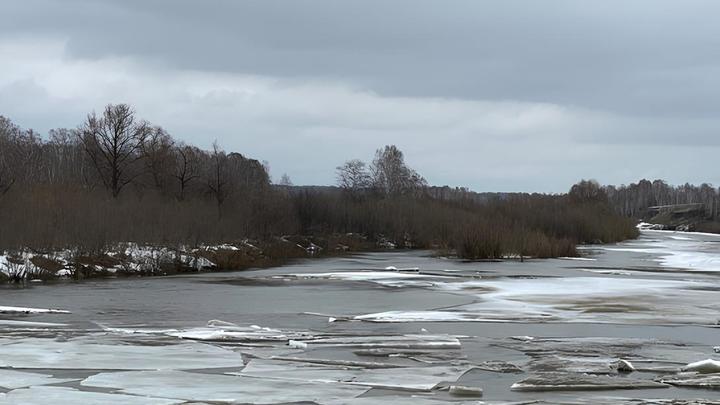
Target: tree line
<point>118,178</point>
<point>634,199</point>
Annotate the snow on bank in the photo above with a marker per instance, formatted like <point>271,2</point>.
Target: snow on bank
<point>123,257</point>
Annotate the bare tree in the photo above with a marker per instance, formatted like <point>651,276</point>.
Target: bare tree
<point>285,180</point>
<point>186,168</point>
<point>391,175</point>
<point>157,150</point>
<point>113,143</point>
<point>217,177</point>
<point>66,160</point>
<point>587,191</point>
<point>353,177</point>
<point>8,130</point>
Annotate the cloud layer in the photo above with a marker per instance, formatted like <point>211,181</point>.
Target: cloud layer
<point>495,96</point>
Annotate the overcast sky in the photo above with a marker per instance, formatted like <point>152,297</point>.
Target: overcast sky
<point>494,95</point>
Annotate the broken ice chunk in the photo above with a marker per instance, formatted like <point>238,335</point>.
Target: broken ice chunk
<point>84,353</point>
<point>465,391</point>
<point>704,366</point>
<point>403,378</point>
<point>11,379</point>
<point>581,382</point>
<point>625,366</point>
<point>295,344</point>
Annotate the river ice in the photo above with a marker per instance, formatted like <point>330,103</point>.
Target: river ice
<point>404,327</point>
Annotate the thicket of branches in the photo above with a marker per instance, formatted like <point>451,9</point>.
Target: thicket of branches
<point>474,226</point>
<point>118,178</point>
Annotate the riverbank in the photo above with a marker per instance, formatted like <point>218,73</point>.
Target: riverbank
<point>132,259</point>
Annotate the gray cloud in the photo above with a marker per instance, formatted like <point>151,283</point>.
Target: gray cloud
<point>510,95</point>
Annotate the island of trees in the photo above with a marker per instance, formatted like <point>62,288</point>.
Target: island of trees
<point>118,179</point>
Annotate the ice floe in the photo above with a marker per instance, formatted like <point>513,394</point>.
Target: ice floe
<point>11,379</point>
<point>23,310</point>
<point>419,316</point>
<point>465,391</point>
<point>40,395</point>
<point>704,366</point>
<point>81,353</point>
<point>567,299</point>
<point>404,378</point>
<point>389,341</point>
<point>30,324</point>
<point>694,380</point>
<point>221,388</point>
<point>581,382</point>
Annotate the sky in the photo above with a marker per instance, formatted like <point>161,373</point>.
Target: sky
<point>501,95</point>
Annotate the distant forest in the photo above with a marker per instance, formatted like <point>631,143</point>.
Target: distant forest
<point>634,200</point>
<point>117,178</point>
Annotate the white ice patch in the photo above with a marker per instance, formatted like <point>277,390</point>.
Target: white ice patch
<point>683,250</point>
<point>376,276</point>
<point>221,388</point>
<point>70,396</point>
<point>419,316</point>
<point>37,353</point>
<point>610,272</point>
<point>704,366</point>
<point>405,378</point>
<point>219,331</point>
<point>29,324</point>
<point>401,341</point>
<point>559,299</point>
<point>23,310</point>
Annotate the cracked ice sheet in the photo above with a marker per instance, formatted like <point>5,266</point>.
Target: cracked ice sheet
<point>11,379</point>
<point>70,396</point>
<point>85,354</point>
<point>211,387</point>
<point>404,378</point>
<point>581,382</point>
<point>570,299</point>
<point>599,299</point>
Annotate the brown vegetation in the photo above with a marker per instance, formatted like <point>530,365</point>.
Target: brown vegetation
<point>119,179</point>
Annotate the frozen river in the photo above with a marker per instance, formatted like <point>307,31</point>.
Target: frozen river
<point>379,328</point>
